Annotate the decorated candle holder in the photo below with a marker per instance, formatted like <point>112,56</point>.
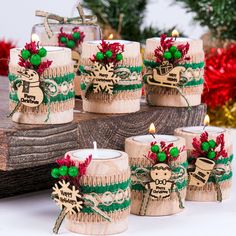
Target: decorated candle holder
<point>104,190</point>
<point>158,173</point>
<point>174,71</point>
<point>210,155</point>
<point>41,85</point>
<point>67,32</point>
<point>111,81</point>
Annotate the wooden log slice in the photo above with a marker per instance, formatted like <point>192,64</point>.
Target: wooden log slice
<point>137,152</point>
<point>107,180</point>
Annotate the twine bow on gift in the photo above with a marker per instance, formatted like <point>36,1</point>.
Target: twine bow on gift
<point>81,19</point>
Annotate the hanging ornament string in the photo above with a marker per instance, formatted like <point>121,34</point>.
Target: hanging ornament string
<point>82,19</point>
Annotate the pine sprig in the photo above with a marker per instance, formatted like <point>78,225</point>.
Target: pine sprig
<point>218,15</point>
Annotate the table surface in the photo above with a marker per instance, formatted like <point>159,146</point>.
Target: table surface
<point>35,214</point>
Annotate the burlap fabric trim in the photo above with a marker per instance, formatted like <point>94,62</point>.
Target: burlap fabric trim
<point>195,58</point>
<point>211,186</point>
<point>171,91</point>
<point>108,180</point>
<point>111,194</point>
<point>50,72</point>
<point>106,98</point>
<point>138,195</point>
<point>95,218</point>
<point>132,61</point>
<point>54,107</point>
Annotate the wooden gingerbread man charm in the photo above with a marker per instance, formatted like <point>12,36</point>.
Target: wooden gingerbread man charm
<point>161,185</point>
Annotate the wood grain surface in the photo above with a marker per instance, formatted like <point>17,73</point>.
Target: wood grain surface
<point>24,146</point>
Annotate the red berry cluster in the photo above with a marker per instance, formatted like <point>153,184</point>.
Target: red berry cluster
<point>164,153</point>
<point>168,51</point>
<point>30,58</point>
<point>109,53</point>
<point>212,149</point>
<point>72,40</point>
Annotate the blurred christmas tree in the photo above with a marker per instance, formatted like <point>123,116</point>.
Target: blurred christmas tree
<point>123,19</point>
<point>218,15</point>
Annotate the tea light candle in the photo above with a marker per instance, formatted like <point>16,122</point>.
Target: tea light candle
<point>107,167</point>
<point>207,192</point>
<point>137,148</point>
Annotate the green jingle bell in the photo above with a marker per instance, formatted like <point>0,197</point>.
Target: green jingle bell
<point>174,152</point>
<point>119,57</point>
<point>205,146</point>
<point>161,156</point>
<point>108,54</point>
<point>35,59</point>
<point>211,154</point>
<point>155,148</point>
<point>25,54</point>
<point>177,55</point>
<point>70,44</point>
<point>76,35</point>
<point>55,173</point>
<point>73,171</point>
<point>99,56</point>
<point>63,170</point>
<point>167,55</point>
<point>42,52</point>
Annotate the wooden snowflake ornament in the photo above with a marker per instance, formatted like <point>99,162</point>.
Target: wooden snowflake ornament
<point>104,78</point>
<point>67,197</point>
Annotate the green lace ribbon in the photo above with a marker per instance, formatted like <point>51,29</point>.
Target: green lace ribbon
<point>153,64</point>
<point>102,189</point>
<point>58,98</point>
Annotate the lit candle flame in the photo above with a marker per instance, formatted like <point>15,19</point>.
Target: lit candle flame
<point>35,38</point>
<point>111,36</point>
<point>206,120</point>
<point>175,33</point>
<point>152,129</point>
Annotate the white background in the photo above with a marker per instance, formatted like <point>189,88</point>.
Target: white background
<point>35,214</point>
<point>18,16</point>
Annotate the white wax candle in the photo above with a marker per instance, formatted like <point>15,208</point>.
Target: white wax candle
<point>100,154</point>
<point>201,129</point>
<point>178,39</point>
<point>158,138</point>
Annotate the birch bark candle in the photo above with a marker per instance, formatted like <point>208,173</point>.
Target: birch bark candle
<point>139,148</point>
<point>54,87</point>
<point>107,182</point>
<point>174,71</point>
<point>222,181</point>
<point>111,80</point>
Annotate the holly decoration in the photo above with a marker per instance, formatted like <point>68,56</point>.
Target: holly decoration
<point>72,40</point>
<point>212,149</point>
<point>163,153</point>
<point>108,53</point>
<point>31,58</point>
<point>167,51</point>
<point>68,170</point>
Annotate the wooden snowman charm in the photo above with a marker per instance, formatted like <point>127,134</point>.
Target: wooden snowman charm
<point>29,92</point>
<point>161,185</point>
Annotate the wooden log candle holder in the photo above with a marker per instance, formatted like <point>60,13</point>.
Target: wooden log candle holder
<point>24,148</point>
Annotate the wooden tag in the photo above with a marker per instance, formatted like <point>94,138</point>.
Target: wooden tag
<point>76,59</point>
<point>67,197</point>
<point>161,185</point>
<point>200,176</point>
<point>166,75</point>
<point>104,78</point>
<point>29,92</point>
